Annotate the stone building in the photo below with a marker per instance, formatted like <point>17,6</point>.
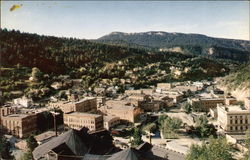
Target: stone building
<point>110,121</point>
<point>205,104</point>
<point>7,110</point>
<point>20,125</point>
<point>234,118</point>
<point>164,86</point>
<point>78,120</point>
<point>87,104</point>
<point>122,109</point>
<point>152,106</point>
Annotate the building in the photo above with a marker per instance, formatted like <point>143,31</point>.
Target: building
<point>122,109</point>
<point>152,106</point>
<point>164,86</point>
<point>204,104</point>
<point>148,91</point>
<point>233,118</point>
<point>247,102</point>
<point>78,120</point>
<point>132,91</point>
<point>177,96</point>
<point>24,101</point>
<point>100,91</point>
<point>69,144</point>
<point>7,110</point>
<point>20,125</point>
<point>168,102</point>
<point>138,99</point>
<point>87,104</point>
<point>182,88</point>
<point>110,121</point>
<point>74,145</point>
<point>230,101</point>
<point>100,101</point>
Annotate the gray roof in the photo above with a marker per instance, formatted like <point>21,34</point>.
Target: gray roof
<point>127,154</point>
<point>95,157</point>
<point>70,138</point>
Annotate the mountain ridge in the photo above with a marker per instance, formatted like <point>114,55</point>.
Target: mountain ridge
<point>199,44</point>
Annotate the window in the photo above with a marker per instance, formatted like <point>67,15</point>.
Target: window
<point>241,121</point>
<point>231,121</point>
<point>231,128</point>
<point>236,121</point>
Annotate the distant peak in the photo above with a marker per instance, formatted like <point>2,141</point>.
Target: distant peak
<point>116,33</point>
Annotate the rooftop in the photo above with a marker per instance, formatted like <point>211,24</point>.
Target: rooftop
<point>108,118</point>
<point>83,114</point>
<point>234,108</point>
<point>74,102</point>
<point>45,136</point>
<point>121,104</point>
<point>17,116</point>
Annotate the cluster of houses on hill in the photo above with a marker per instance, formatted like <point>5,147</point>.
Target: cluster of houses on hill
<point>99,113</point>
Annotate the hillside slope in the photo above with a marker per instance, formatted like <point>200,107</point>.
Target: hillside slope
<point>238,50</point>
<point>237,82</point>
<point>94,62</point>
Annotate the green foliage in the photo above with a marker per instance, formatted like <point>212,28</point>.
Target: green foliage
<point>36,74</point>
<point>137,140</point>
<point>239,78</point>
<point>187,108</point>
<point>217,149</point>
<point>94,62</point>
<point>186,43</point>
<point>203,128</point>
<point>27,156</point>
<point>247,145</point>
<point>31,143</point>
<point>169,126</point>
<point>4,148</point>
<point>151,127</point>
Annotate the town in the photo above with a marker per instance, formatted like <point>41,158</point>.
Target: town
<point>160,122</point>
<point>124,80</point>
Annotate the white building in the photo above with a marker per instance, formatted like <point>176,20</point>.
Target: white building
<point>234,118</point>
<point>24,101</point>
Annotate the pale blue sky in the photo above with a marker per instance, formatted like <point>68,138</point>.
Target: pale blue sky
<point>86,19</point>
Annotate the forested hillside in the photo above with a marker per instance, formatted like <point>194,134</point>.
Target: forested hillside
<point>94,62</point>
<point>238,50</point>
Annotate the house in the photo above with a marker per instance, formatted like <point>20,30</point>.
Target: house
<point>24,101</point>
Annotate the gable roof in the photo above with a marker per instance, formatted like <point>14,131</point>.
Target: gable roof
<point>70,139</point>
<point>127,154</point>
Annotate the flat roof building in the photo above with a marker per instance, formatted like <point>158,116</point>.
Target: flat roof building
<point>78,120</point>
<point>233,118</point>
<point>110,121</point>
<point>122,109</point>
<point>20,125</point>
<point>87,104</point>
<point>205,104</point>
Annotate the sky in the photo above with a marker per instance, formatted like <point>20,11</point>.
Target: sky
<point>93,19</point>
